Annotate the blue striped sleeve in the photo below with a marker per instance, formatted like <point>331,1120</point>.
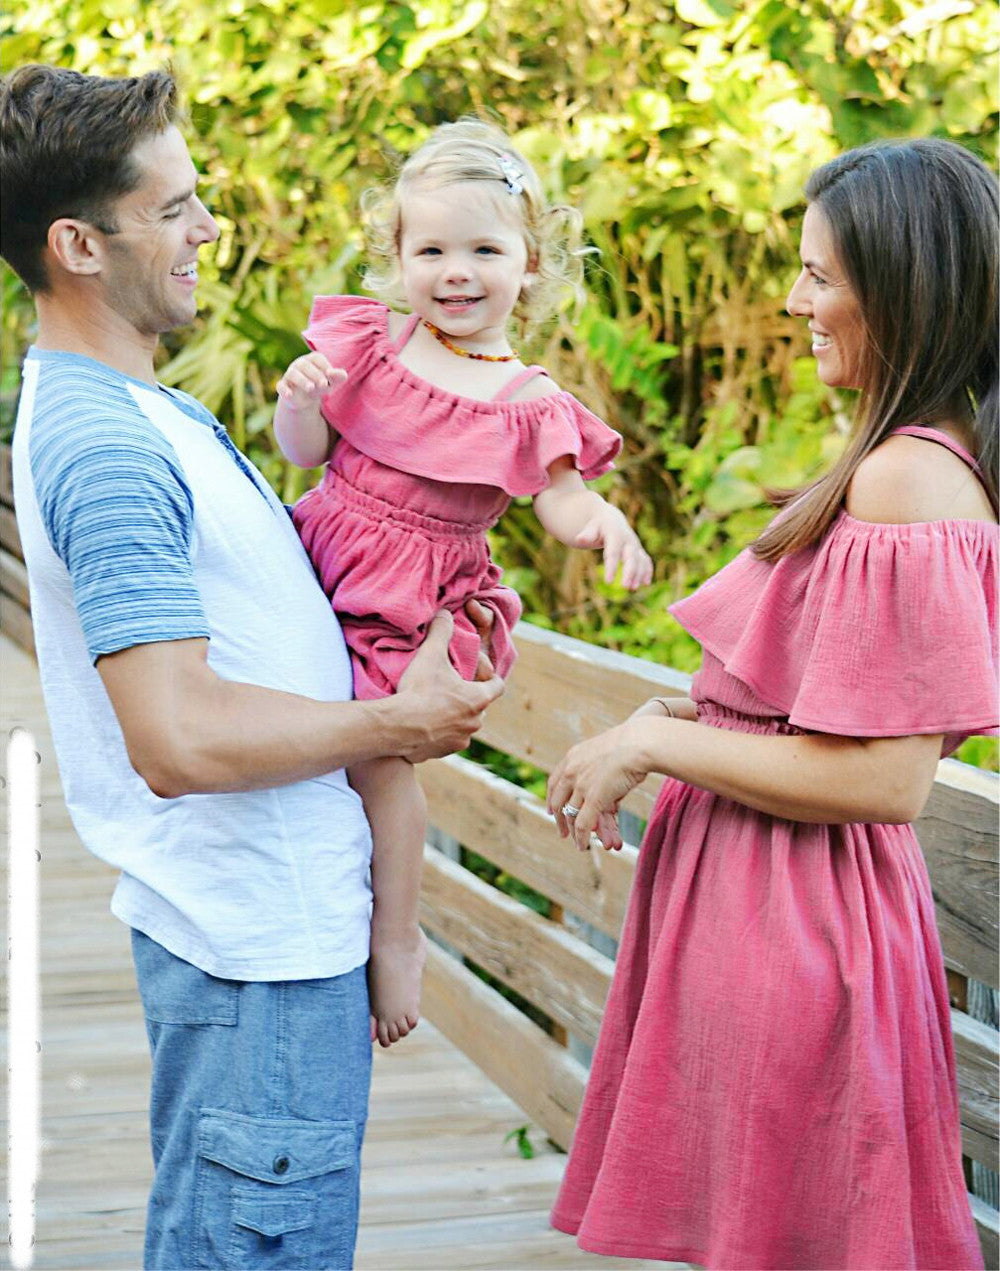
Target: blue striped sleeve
<point>119,515</point>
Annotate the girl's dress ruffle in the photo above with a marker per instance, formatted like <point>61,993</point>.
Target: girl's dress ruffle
<point>400,420</point>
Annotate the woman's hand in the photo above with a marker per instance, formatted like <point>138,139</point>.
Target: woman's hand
<point>594,777</point>
<point>609,529</point>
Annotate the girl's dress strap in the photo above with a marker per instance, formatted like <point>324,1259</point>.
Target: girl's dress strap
<point>942,439</point>
<point>520,378</point>
<point>409,326</point>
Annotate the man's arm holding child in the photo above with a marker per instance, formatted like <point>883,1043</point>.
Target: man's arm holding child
<point>188,731</point>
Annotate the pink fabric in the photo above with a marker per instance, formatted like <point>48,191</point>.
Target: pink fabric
<point>519,381</point>
<point>395,417</point>
<point>397,528</point>
<point>942,439</point>
<point>878,631</point>
<point>774,1084</point>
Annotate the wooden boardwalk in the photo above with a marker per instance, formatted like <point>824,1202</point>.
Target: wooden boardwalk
<point>440,1188</point>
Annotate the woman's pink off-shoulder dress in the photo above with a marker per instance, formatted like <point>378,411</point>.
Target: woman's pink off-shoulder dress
<point>397,528</point>
<point>774,1083</point>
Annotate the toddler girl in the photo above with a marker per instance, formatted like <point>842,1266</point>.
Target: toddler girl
<point>429,424</point>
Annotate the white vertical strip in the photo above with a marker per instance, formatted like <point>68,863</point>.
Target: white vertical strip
<point>24,1020</point>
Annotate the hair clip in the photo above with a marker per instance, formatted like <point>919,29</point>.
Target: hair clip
<point>512,174</point>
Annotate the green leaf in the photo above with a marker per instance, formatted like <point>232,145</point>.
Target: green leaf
<point>417,47</point>
<point>524,1145</point>
<point>704,12</point>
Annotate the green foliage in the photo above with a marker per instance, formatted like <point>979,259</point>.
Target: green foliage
<point>525,1147</point>
<point>683,129</point>
<point>982,752</point>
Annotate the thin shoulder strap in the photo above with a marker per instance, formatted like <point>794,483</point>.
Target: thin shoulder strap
<point>409,326</point>
<point>521,378</point>
<point>942,439</point>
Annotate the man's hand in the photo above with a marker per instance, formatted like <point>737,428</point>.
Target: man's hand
<point>444,710</point>
<point>481,616</point>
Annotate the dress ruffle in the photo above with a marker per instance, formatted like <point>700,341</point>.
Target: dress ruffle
<point>876,631</point>
<point>393,416</point>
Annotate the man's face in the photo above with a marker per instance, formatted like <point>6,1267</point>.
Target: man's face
<point>150,273</point>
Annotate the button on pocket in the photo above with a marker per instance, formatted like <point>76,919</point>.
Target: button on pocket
<point>274,1192</point>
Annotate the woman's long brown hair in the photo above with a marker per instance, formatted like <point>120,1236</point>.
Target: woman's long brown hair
<point>914,227</point>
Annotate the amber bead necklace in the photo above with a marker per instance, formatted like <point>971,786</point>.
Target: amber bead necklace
<point>440,336</point>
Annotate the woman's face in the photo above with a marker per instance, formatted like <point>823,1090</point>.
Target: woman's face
<point>821,294</point>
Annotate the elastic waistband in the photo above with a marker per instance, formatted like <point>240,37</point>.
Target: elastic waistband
<point>376,509</point>
<point>716,716</point>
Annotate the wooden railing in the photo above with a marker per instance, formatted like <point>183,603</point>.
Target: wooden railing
<point>15,619</point>
<point>562,690</point>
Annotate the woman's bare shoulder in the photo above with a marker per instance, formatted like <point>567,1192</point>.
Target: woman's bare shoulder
<point>908,479</point>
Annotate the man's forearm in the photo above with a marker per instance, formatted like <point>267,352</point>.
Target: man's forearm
<point>188,731</point>
<point>233,736</point>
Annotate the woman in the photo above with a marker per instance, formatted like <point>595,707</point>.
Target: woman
<point>774,1084</point>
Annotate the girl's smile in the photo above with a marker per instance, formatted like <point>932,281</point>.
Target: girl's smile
<point>464,260</point>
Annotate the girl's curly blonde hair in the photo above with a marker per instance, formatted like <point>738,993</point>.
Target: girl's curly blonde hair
<point>472,150</point>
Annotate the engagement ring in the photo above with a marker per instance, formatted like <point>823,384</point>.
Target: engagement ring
<point>567,809</point>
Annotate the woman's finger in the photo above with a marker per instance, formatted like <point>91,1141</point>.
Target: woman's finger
<point>559,797</point>
<point>585,824</point>
<point>609,831</point>
<point>555,780</point>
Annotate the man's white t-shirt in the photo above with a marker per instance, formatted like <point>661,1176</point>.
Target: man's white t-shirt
<point>140,522</point>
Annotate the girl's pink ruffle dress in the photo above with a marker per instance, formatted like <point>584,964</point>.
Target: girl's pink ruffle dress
<point>397,528</point>
<point>774,1083</point>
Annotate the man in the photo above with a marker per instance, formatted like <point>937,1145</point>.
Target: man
<point>199,692</point>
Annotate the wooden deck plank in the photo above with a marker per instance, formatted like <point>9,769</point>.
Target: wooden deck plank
<point>441,1190</point>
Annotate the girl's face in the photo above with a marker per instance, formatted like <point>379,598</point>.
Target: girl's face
<point>822,294</point>
<point>463,259</point>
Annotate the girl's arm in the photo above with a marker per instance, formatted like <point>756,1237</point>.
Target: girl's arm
<point>304,436</point>
<point>579,517</point>
<point>814,777</point>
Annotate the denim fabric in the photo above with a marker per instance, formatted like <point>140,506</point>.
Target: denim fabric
<point>257,1112</point>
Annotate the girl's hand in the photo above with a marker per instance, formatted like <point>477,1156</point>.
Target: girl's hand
<point>609,529</point>
<point>594,777</point>
<point>308,379</point>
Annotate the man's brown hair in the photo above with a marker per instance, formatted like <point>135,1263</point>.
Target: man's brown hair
<point>66,143</point>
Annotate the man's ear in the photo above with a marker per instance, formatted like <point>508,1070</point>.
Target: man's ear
<point>76,246</point>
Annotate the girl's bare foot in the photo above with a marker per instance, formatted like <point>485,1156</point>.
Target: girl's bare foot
<point>395,970</point>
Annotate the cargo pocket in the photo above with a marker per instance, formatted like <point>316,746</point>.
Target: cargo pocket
<point>275,1193</point>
